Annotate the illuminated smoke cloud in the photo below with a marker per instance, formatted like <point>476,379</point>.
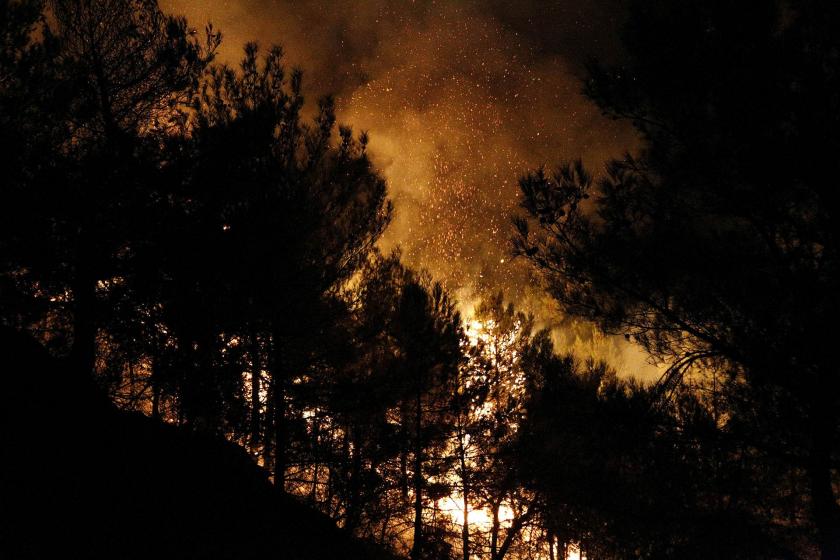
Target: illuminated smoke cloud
<point>460,99</point>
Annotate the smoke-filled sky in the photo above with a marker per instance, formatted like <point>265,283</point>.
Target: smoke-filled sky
<point>460,99</point>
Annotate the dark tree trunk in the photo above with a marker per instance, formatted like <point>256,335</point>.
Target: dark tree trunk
<point>465,530</point>
<point>465,492</point>
<point>404,450</point>
<point>154,381</point>
<point>256,367</point>
<point>404,474</point>
<point>316,458</point>
<point>280,451</point>
<point>354,502</point>
<point>268,426</point>
<point>83,352</point>
<point>385,522</point>
<point>331,506</point>
<point>494,532</point>
<point>417,545</point>
<point>280,428</point>
<point>515,527</point>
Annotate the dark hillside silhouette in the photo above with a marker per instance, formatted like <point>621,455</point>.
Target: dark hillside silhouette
<point>83,479</point>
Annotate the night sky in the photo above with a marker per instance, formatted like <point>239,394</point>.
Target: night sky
<point>460,99</point>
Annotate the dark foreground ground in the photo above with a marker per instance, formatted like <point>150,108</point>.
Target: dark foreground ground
<point>80,479</point>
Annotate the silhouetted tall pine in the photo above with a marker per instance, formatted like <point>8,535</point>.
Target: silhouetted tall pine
<point>428,333</point>
<point>275,214</point>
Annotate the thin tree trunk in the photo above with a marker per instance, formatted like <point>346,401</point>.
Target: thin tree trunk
<point>154,381</point>
<point>267,427</point>
<point>330,493</point>
<point>404,474</point>
<point>256,368</point>
<point>83,352</point>
<point>465,530</point>
<point>354,509</point>
<point>316,466</point>
<point>279,386</point>
<point>133,394</point>
<point>404,453</point>
<point>512,532</point>
<point>385,522</point>
<point>417,545</point>
<point>494,532</point>
<point>465,493</point>
<point>280,451</point>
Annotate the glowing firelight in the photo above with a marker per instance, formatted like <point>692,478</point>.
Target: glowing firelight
<point>481,519</point>
<point>573,553</point>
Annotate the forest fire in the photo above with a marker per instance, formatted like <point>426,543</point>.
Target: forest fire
<point>452,129</point>
<point>439,280</point>
<point>479,518</point>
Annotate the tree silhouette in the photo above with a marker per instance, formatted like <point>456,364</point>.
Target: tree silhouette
<point>100,81</point>
<point>716,241</point>
<point>623,479</point>
<point>429,337</point>
<point>384,422</point>
<point>275,217</point>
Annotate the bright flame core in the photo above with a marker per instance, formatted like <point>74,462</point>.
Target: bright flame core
<point>478,518</point>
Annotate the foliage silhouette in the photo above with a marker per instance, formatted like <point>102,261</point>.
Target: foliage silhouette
<point>715,245</point>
